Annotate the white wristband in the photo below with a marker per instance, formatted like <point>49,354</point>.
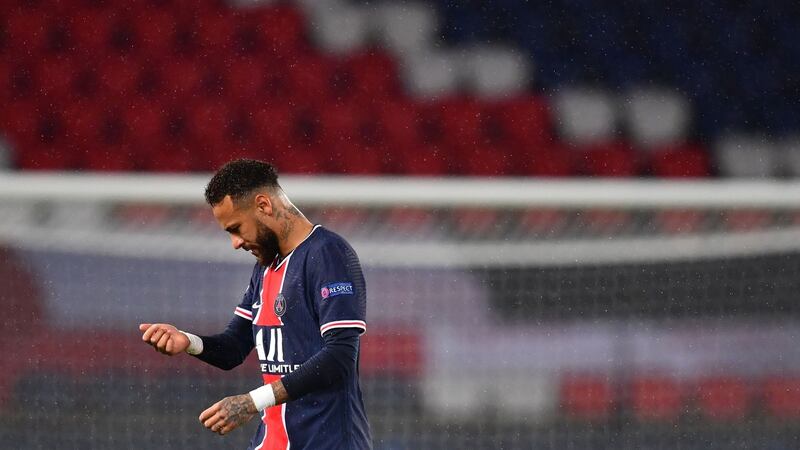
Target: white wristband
<point>263,397</point>
<point>195,344</point>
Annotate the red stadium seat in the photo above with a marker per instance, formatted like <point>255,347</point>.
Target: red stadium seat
<point>680,161</point>
<point>485,161</point>
<point>273,126</point>
<point>523,120</point>
<point>588,397</point>
<point>341,122</point>
<point>119,76</point>
<point>353,159</point>
<point>656,399</point>
<point>181,78</point>
<point>57,76</point>
<point>155,31</point>
<point>723,399</point>
<point>146,120</point>
<point>460,122</point>
<point>20,119</point>
<point>169,156</point>
<point>309,80</point>
<point>110,158</point>
<point>782,397</point>
<point>302,160</point>
<point>400,123</point>
<point>216,29</point>
<point>392,352</point>
<point>280,30</point>
<point>423,160</point>
<point>610,159</point>
<point>374,76</point>
<point>83,120</point>
<point>26,30</point>
<point>46,157</point>
<point>550,160</point>
<point>92,30</point>
<point>210,120</point>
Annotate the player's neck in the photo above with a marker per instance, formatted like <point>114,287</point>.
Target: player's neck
<point>297,230</point>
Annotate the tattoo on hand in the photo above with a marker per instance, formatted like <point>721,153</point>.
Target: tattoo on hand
<point>239,408</point>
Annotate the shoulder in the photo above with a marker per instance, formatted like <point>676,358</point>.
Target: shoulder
<point>325,240</point>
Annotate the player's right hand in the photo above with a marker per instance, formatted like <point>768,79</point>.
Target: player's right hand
<point>164,337</point>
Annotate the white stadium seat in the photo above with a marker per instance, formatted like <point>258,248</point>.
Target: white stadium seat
<point>746,156</point>
<point>495,71</point>
<point>584,115</point>
<point>655,117</point>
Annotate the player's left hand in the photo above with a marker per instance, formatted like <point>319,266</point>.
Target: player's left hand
<point>229,413</point>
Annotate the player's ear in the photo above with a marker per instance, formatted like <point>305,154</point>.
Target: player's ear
<point>263,204</point>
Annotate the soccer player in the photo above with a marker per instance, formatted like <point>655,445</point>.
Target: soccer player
<point>303,312</point>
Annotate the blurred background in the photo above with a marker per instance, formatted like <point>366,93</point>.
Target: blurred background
<point>578,219</point>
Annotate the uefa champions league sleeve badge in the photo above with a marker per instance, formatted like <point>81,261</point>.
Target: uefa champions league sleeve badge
<point>280,305</point>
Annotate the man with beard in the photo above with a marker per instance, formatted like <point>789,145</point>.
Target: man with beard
<point>304,311</point>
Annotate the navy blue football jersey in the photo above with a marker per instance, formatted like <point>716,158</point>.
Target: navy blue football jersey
<point>292,303</point>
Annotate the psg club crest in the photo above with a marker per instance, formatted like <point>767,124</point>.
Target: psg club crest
<point>280,305</point>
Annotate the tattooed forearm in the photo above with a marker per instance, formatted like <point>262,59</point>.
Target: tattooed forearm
<point>281,396</point>
<point>239,408</point>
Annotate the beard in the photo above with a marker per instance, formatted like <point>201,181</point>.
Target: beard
<point>267,242</point>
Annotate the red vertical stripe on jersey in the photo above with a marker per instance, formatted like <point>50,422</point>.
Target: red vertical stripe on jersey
<point>270,288</point>
<point>275,435</point>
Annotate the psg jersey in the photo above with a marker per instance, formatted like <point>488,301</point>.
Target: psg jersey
<point>291,304</point>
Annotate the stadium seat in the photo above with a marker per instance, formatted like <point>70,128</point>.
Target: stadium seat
<point>782,397</point>
<point>405,28</point>
<point>656,398</point>
<point>460,121</point>
<point>680,161</point>
<point>119,76</point>
<point>493,72</point>
<point>401,123</point>
<point>92,30</point>
<point>610,159</point>
<point>483,160</point>
<point>146,120</point>
<point>181,78</point>
<point>341,30</point>
<point>746,156</point>
<point>547,161</point>
<point>273,125</point>
<point>588,397</point>
<point>210,120</point>
<point>310,79</point>
<point>424,160</point>
<point>723,398</point>
<point>56,76</point>
<point>27,29</point>
<point>585,116</point>
<point>280,29</point>
<point>374,75</point>
<point>391,351</point>
<point>523,120</point>
<point>432,74</point>
<point>110,158</point>
<point>155,32</point>
<point>655,117</point>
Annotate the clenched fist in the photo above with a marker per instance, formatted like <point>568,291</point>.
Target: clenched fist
<point>164,337</point>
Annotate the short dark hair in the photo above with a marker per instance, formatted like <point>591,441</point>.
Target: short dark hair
<point>239,178</point>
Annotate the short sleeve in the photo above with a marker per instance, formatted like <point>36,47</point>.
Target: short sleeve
<point>340,292</point>
<point>245,308</point>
